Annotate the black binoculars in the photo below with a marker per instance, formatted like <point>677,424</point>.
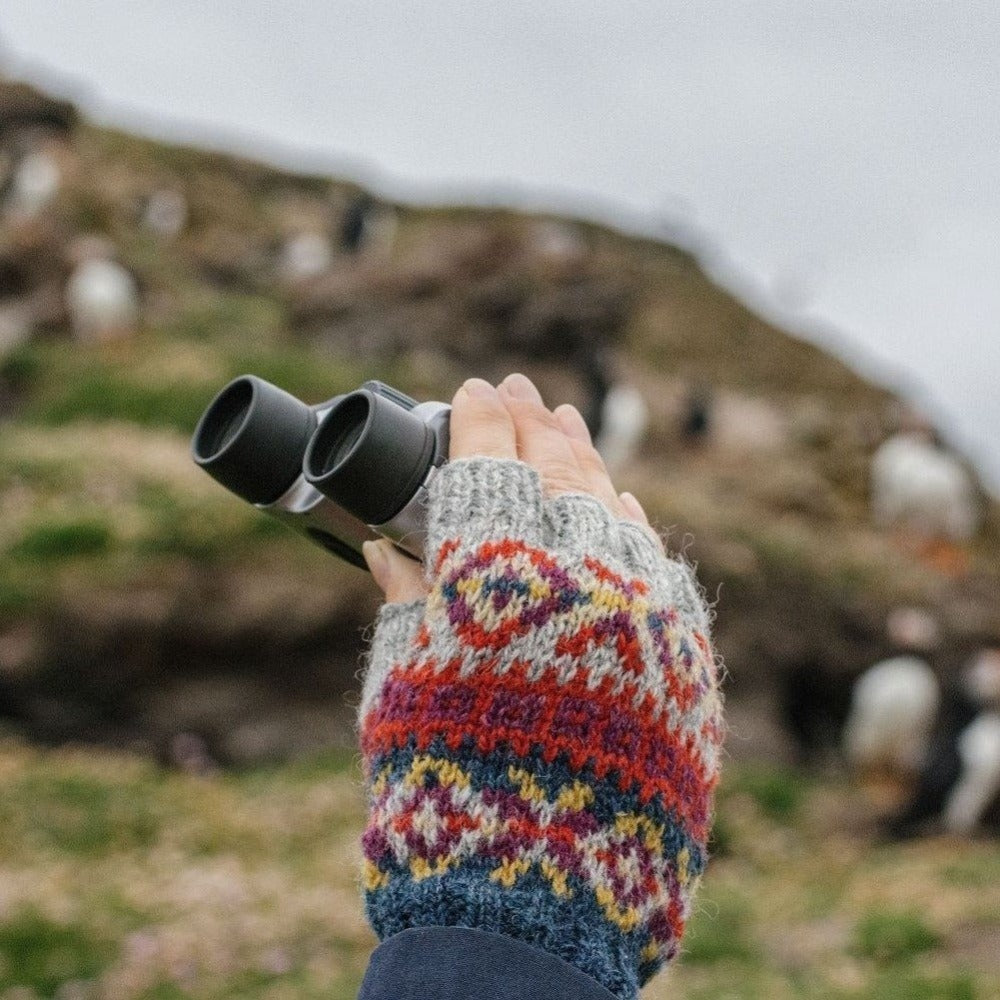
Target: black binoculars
<point>342,472</point>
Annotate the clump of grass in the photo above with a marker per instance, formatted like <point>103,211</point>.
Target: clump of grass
<point>103,395</point>
<point>973,870</point>
<point>888,936</point>
<point>309,769</point>
<point>719,933</point>
<point>778,793</point>
<point>222,316</point>
<point>21,367</point>
<point>15,596</point>
<point>78,815</point>
<point>720,841</point>
<point>305,372</point>
<point>908,986</point>
<point>176,526</point>
<point>41,955</point>
<point>29,470</point>
<point>58,540</point>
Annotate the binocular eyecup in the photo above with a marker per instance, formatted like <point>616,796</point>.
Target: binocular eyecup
<point>251,439</point>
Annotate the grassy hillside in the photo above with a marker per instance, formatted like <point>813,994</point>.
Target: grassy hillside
<point>118,559</point>
<point>139,602</point>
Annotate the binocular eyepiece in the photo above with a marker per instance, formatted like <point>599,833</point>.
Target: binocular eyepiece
<point>342,472</point>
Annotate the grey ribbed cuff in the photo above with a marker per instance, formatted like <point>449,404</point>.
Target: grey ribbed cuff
<point>475,500</point>
<point>478,499</point>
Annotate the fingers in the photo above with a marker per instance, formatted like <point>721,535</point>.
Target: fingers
<point>541,442</point>
<point>399,578</point>
<point>480,423</point>
<point>588,458</point>
<point>512,421</point>
<point>634,511</point>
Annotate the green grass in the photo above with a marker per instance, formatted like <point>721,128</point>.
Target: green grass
<point>139,883</point>
<point>79,815</point>
<point>21,367</point>
<point>103,395</point>
<point>889,937</point>
<point>176,525</point>
<point>42,954</point>
<point>63,384</point>
<point>15,595</point>
<point>898,985</point>
<point>57,541</point>
<point>720,931</point>
<point>226,317</point>
<point>973,871</point>
<point>777,792</point>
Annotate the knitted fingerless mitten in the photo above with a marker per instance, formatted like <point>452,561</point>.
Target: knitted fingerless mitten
<point>541,735</point>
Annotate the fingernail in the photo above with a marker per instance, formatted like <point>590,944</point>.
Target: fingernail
<point>479,388</point>
<point>377,562</point>
<point>521,387</point>
<point>572,423</point>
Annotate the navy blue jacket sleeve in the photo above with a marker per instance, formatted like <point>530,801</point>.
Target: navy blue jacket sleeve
<point>460,963</point>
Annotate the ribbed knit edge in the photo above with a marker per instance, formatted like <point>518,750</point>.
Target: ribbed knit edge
<point>483,499</point>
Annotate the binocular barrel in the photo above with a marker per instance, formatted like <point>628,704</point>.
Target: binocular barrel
<point>342,472</point>
<point>370,456</point>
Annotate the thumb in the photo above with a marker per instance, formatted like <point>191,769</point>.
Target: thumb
<point>401,579</point>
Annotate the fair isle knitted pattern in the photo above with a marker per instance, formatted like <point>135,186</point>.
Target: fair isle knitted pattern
<point>541,735</point>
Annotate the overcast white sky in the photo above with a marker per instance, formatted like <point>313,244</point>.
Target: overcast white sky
<point>839,159</point>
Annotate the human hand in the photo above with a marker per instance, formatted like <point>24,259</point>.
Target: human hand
<point>540,721</point>
<point>511,421</point>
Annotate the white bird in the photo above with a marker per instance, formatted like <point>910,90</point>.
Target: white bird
<point>557,243</point>
<point>959,782</point>
<point>979,782</point>
<point>624,419</point>
<point>893,706</point>
<point>305,256</point>
<point>920,487</point>
<point>102,298</point>
<point>35,183</point>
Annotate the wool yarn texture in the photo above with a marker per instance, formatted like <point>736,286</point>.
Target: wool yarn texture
<point>541,735</point>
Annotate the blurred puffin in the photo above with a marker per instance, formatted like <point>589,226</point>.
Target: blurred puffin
<point>33,183</point>
<point>958,788</point>
<point>624,419</point>
<point>926,492</point>
<point>825,710</point>
<point>102,297</point>
<point>696,418</point>
<point>893,707</point>
<point>615,412</point>
<point>166,212</point>
<point>367,225</point>
<point>305,256</point>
